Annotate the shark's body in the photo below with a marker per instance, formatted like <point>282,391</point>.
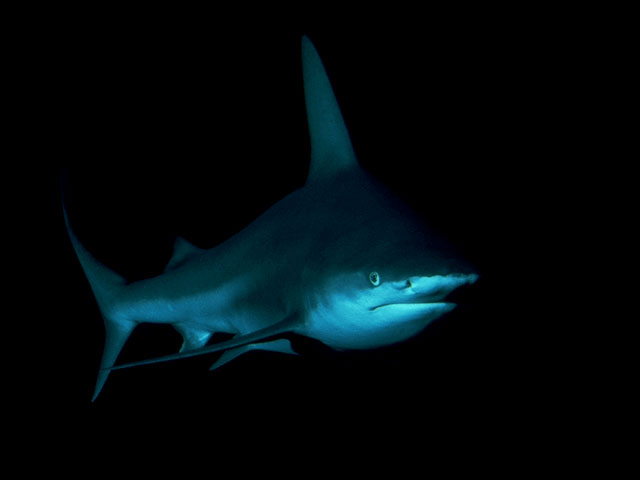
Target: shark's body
<point>338,260</point>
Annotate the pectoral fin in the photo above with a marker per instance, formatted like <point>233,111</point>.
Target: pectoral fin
<point>282,345</point>
<point>285,326</point>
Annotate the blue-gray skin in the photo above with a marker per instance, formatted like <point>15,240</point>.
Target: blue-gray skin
<point>339,260</point>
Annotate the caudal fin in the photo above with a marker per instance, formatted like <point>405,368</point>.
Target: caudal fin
<point>107,286</point>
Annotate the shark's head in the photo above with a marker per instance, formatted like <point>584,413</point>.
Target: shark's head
<point>379,273</point>
<point>387,292</point>
<point>377,306</point>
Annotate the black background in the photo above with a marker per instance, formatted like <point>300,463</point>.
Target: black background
<point>176,128</point>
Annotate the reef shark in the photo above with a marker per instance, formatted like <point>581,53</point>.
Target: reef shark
<point>340,260</point>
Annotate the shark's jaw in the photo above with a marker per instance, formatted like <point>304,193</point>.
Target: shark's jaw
<point>383,314</point>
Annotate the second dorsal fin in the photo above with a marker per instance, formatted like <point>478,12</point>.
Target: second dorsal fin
<point>183,250</point>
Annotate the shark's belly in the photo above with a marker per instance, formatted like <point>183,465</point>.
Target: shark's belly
<point>232,308</point>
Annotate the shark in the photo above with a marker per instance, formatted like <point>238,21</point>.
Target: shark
<point>341,260</point>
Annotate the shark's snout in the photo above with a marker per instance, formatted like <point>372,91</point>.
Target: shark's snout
<point>437,287</point>
<point>458,294</point>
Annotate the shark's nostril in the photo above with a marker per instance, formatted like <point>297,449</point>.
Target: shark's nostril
<point>409,284</point>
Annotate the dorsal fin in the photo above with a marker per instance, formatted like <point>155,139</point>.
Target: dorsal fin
<point>331,149</point>
<point>182,251</point>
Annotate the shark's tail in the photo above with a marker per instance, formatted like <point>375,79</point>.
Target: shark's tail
<point>107,286</point>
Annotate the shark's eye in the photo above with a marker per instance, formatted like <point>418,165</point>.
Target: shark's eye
<point>374,278</point>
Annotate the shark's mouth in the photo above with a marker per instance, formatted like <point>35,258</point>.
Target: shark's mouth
<point>415,306</point>
<point>442,297</point>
